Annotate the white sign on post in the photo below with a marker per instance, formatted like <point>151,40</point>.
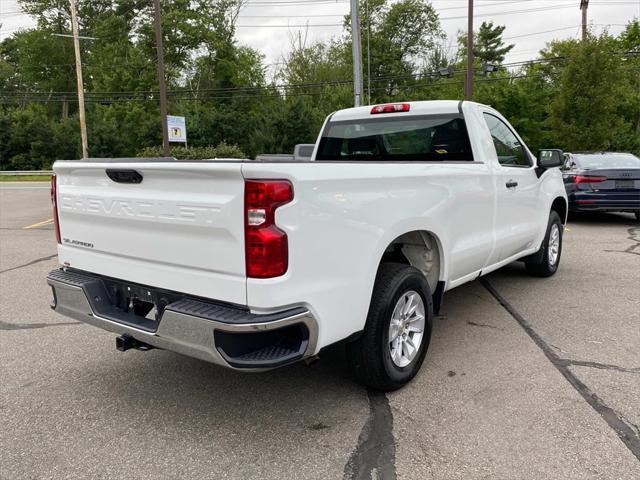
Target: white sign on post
<point>177,129</point>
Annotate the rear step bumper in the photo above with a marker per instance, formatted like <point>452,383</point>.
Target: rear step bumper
<point>222,334</point>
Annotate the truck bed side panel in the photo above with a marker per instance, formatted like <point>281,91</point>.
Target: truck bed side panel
<point>344,215</point>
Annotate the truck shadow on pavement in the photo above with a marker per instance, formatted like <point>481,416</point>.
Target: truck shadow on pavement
<point>295,422</point>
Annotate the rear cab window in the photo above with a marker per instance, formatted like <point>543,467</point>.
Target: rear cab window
<point>423,138</point>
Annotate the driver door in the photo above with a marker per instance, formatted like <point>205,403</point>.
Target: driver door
<point>518,210</point>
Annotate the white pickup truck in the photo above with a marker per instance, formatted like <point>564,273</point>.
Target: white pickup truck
<point>253,265</point>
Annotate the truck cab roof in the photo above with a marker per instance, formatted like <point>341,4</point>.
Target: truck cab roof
<point>427,107</point>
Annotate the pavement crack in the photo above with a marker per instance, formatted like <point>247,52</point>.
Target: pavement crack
<point>375,453</point>
<point>482,325</point>
<point>37,260</point>
<point>29,326</point>
<point>626,431</point>
<point>601,366</point>
<point>634,248</point>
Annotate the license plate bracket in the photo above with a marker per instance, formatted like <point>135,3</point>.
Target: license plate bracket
<point>136,300</point>
<point>624,183</point>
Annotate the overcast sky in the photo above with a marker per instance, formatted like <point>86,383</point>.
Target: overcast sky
<point>268,25</point>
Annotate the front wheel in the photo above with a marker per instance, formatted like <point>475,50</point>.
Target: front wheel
<point>397,331</point>
<point>550,250</point>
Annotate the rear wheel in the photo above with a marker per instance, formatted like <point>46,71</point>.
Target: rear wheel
<point>550,250</point>
<point>398,329</point>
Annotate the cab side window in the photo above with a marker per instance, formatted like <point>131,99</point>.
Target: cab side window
<point>511,153</point>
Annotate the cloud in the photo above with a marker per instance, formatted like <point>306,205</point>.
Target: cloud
<point>268,27</point>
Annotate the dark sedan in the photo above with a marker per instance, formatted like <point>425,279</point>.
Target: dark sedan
<point>602,181</point>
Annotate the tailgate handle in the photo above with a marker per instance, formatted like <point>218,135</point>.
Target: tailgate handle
<point>124,176</point>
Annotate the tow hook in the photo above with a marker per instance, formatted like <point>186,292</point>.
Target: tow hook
<point>126,342</point>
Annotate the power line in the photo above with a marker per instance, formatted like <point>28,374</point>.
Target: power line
<point>346,12</point>
<point>289,89</point>
<point>459,17</point>
<point>560,29</point>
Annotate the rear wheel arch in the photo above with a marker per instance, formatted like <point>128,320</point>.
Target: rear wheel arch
<point>421,249</point>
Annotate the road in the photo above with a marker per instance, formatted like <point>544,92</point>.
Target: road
<point>526,378</point>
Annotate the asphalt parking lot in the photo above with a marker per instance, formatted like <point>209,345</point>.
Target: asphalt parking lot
<point>525,378</point>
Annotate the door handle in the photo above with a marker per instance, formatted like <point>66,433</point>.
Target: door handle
<point>124,176</point>
<point>511,184</point>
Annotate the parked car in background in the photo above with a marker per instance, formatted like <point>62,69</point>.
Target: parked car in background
<point>602,181</point>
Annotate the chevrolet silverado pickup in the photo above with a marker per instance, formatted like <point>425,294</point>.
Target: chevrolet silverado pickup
<point>256,264</point>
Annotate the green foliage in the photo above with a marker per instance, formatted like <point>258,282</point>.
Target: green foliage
<point>222,150</point>
<point>488,45</point>
<point>30,141</point>
<point>585,112</point>
<point>398,34</point>
<point>585,97</point>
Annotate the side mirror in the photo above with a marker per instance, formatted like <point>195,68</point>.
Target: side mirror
<point>550,157</point>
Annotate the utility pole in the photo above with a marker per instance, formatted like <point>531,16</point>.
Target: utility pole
<point>368,53</point>
<point>468,90</point>
<point>76,47</point>
<point>161,80</point>
<point>357,55</point>
<point>65,107</point>
<point>584,4</point>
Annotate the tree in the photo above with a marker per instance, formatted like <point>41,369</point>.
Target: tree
<point>400,36</point>
<point>488,45</point>
<point>582,96</point>
<point>583,112</point>
<point>629,41</point>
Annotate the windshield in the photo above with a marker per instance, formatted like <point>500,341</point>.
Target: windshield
<point>603,160</point>
<point>424,138</point>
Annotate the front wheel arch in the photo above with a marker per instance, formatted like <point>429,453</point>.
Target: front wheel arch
<point>559,205</point>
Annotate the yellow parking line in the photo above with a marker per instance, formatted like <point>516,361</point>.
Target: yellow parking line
<point>567,229</point>
<point>39,224</point>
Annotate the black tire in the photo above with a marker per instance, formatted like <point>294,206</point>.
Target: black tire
<point>369,356</point>
<point>637,216</point>
<point>546,268</point>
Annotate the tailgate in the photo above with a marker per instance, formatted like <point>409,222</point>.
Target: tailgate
<point>180,228</point>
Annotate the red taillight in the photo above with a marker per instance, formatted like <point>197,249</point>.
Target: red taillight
<point>54,202</point>
<point>588,179</point>
<point>266,246</point>
<point>391,108</point>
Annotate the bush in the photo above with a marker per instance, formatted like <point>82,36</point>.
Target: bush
<point>226,150</point>
<point>223,150</point>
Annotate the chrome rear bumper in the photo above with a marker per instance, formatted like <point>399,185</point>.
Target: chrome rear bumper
<point>221,334</point>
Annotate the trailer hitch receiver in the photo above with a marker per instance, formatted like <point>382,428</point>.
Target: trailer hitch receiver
<point>126,342</point>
